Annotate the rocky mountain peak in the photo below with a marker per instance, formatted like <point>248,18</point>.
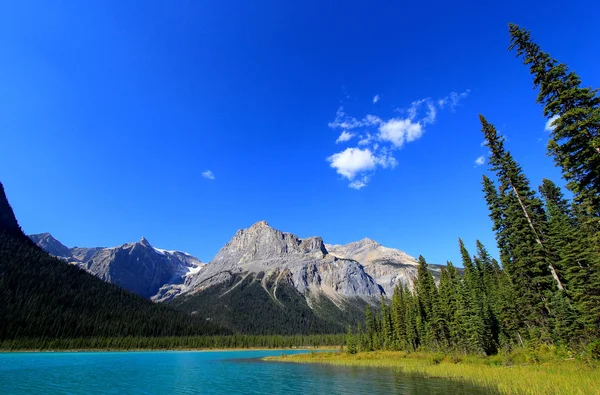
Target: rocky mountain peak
<point>262,242</point>
<point>143,241</point>
<point>50,244</point>
<point>260,224</point>
<point>368,242</point>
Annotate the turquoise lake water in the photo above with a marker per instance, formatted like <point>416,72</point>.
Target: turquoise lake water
<point>191,372</point>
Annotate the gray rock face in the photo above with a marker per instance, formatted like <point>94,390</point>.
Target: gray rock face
<point>137,267</point>
<point>311,268</point>
<point>388,267</point>
<point>52,246</point>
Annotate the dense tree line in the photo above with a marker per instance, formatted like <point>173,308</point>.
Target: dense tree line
<point>173,342</point>
<point>44,297</point>
<point>546,288</point>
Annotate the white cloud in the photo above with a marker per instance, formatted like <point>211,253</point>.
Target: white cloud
<point>398,131</point>
<point>453,99</point>
<point>371,120</point>
<point>414,108</point>
<point>375,149</point>
<point>480,161</point>
<point>549,124</point>
<point>352,161</point>
<point>208,175</point>
<point>345,136</point>
<point>344,121</point>
<point>366,139</point>
<point>357,184</point>
<point>431,113</point>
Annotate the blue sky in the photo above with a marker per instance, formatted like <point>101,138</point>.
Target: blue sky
<point>112,113</point>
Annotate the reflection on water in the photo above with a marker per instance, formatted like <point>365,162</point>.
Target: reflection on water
<point>236,372</point>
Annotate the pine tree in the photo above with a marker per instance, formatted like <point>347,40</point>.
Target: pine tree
<point>399,318</point>
<point>520,226</point>
<point>351,344</point>
<point>472,294</point>
<point>490,279</point>
<point>387,330</point>
<point>575,111</point>
<point>370,329</point>
<point>575,258</point>
<point>453,313</point>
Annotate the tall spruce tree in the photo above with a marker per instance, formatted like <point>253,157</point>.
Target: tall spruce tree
<point>575,114</point>
<point>520,226</point>
<point>473,296</point>
<point>575,258</point>
<point>399,318</point>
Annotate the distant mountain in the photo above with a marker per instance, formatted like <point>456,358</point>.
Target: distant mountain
<point>138,267</point>
<point>52,246</point>
<point>387,266</point>
<point>263,273</point>
<point>43,296</point>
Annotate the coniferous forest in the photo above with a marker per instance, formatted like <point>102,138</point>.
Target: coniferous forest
<point>546,288</point>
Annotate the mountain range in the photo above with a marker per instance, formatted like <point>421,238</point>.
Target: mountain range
<point>262,281</point>
<point>137,267</point>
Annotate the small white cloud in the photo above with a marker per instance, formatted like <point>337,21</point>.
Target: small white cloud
<point>431,113</point>
<point>345,136</point>
<point>358,184</point>
<point>355,164</point>
<point>352,161</point>
<point>453,99</point>
<point>398,131</point>
<point>414,108</point>
<point>208,175</point>
<point>365,139</point>
<point>480,161</point>
<point>344,121</point>
<point>550,124</point>
<point>375,98</point>
<point>371,120</point>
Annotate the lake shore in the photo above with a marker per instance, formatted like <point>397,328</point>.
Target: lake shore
<point>506,374</point>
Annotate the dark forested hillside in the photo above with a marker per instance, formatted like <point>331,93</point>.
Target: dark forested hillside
<point>43,296</point>
<point>243,305</point>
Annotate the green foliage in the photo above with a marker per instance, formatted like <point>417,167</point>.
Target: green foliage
<point>575,138</point>
<point>351,344</point>
<point>594,349</point>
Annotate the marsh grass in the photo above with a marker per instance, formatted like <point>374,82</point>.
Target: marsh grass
<point>547,371</point>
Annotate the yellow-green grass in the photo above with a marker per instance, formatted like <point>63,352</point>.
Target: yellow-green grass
<point>518,373</point>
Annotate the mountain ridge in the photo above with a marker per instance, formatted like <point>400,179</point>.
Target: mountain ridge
<point>138,267</point>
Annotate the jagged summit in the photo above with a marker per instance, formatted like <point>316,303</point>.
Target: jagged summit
<point>138,267</point>
<point>387,266</point>
<point>51,245</point>
<point>367,241</point>
<point>143,241</point>
<point>262,223</point>
<point>262,249</point>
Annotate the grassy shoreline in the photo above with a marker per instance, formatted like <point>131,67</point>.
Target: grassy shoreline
<point>545,373</point>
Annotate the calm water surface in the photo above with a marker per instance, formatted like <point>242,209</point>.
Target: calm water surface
<point>183,372</point>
